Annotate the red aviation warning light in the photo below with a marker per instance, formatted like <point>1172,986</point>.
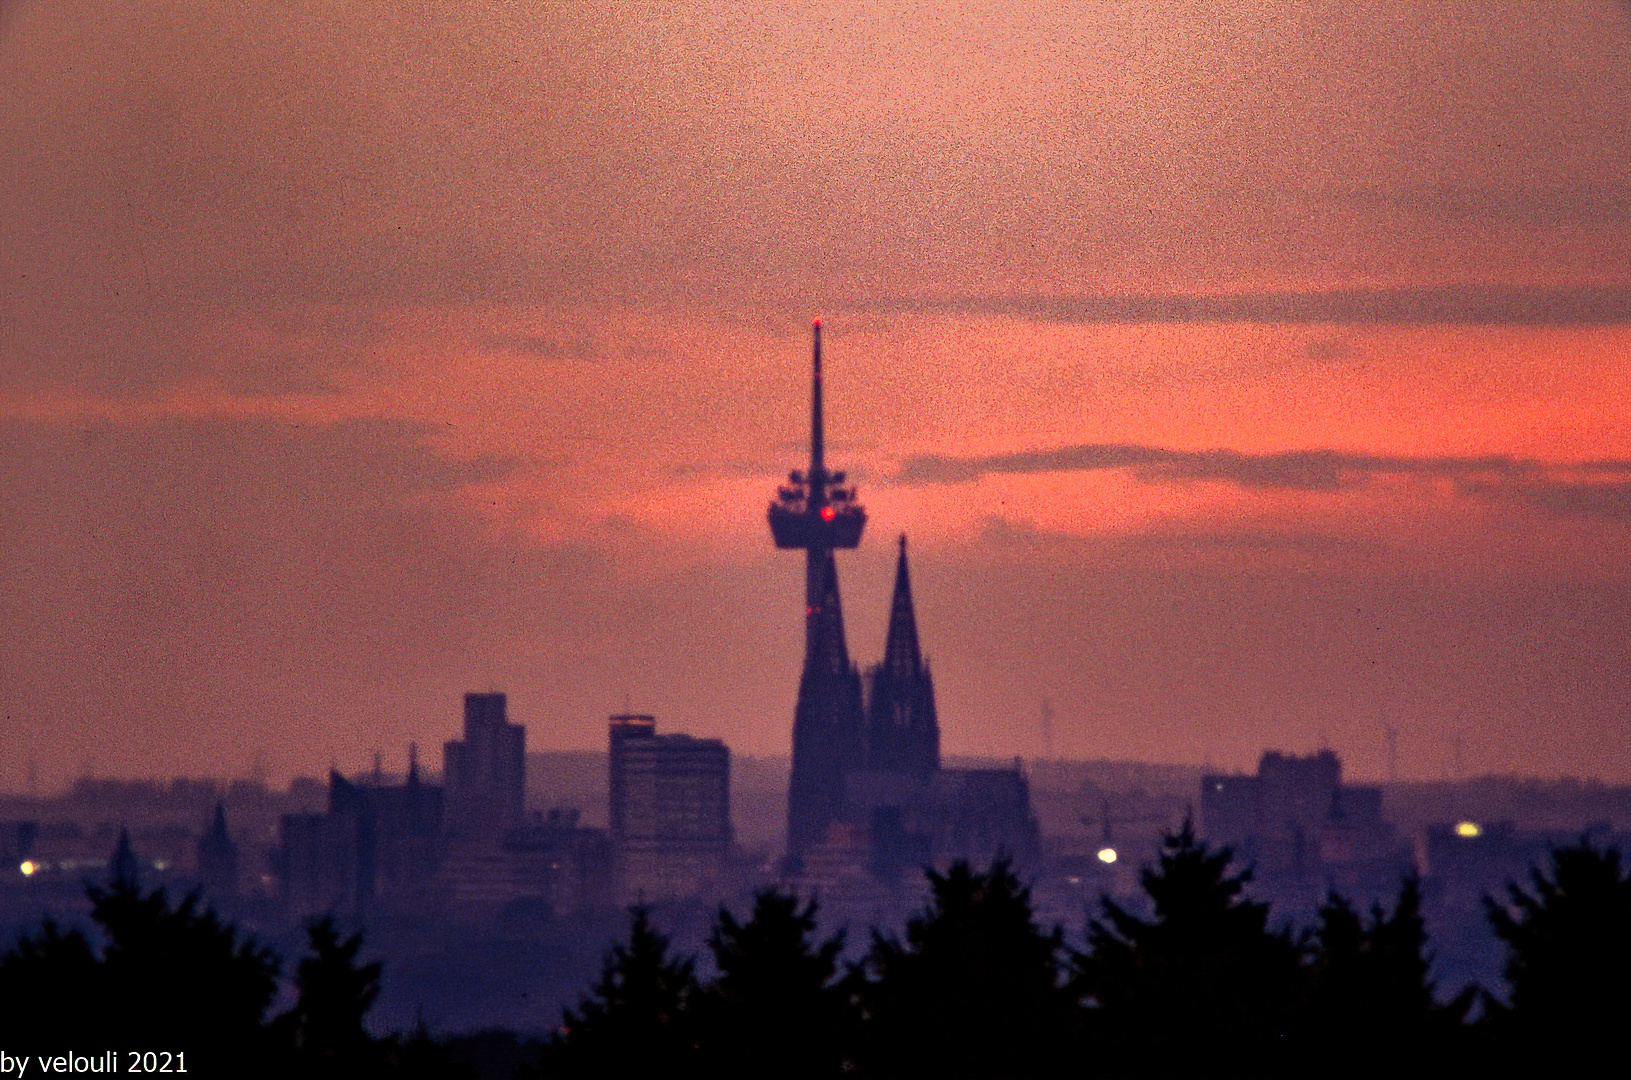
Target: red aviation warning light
<point>793,526</point>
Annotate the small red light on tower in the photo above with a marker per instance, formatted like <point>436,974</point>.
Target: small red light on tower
<point>828,512</point>
<point>816,324</point>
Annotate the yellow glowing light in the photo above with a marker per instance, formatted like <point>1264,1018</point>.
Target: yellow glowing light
<point>1107,855</point>
<point>1468,829</point>
<point>28,867</point>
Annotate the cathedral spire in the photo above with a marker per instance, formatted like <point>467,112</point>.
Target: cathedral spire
<point>218,857</point>
<point>900,651</point>
<point>902,732</point>
<point>124,870</point>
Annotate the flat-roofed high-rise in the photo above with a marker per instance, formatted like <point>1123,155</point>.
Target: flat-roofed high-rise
<point>669,809</point>
<point>486,770</point>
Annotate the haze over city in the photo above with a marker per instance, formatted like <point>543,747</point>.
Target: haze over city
<point>1245,376</point>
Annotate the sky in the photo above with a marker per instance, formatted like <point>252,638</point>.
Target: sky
<point>1246,376</point>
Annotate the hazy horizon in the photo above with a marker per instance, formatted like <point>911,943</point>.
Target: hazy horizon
<point>394,772</point>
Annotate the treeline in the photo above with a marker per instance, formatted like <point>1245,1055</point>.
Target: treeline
<point>187,993</point>
<point>1204,985</point>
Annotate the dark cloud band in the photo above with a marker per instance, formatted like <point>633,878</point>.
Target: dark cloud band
<point>1306,470</point>
<point>1468,304</point>
<point>1594,489</point>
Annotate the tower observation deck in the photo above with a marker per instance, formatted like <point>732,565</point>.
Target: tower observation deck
<point>814,510</point>
<point>817,512</point>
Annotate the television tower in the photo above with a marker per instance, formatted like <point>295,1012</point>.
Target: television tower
<point>816,512</point>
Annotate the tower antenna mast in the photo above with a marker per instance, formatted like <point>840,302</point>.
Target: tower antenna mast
<point>816,512</point>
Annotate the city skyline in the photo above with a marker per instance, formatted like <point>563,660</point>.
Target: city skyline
<point>1246,377</point>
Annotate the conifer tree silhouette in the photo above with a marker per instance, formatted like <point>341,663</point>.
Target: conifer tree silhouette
<point>323,1033</point>
<point>637,1021</point>
<point>976,988</point>
<point>181,977</point>
<point>166,979</point>
<point>1370,1007</point>
<point>1568,954</point>
<point>778,1006</point>
<point>51,991</point>
<point>1202,988</point>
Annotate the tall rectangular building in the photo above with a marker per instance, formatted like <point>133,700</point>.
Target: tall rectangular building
<point>669,809</point>
<point>1304,832</point>
<point>486,770</point>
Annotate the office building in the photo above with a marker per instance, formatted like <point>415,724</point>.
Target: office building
<point>669,810</point>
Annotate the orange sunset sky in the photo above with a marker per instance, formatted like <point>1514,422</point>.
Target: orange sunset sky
<point>1246,375</point>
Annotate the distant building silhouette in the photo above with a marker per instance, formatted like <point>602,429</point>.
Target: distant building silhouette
<point>218,857</point>
<point>559,865</point>
<point>669,809</point>
<point>485,772</point>
<point>983,813</point>
<point>124,869</point>
<point>1304,831</point>
<point>913,820</point>
<point>313,865</point>
<point>547,867</point>
<point>468,852</point>
<point>17,840</point>
<point>379,845</point>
